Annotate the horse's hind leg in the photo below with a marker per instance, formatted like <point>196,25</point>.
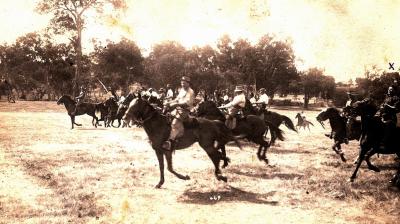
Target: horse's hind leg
<point>168,156</point>
<point>338,150</point>
<point>160,157</point>
<point>367,157</point>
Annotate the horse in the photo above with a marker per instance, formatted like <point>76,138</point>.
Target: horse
<point>123,107</point>
<point>373,135</point>
<point>112,108</point>
<point>81,109</point>
<point>342,131</point>
<point>276,119</point>
<point>302,122</point>
<point>251,126</point>
<point>6,89</point>
<point>157,127</point>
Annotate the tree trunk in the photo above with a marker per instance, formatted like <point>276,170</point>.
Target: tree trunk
<point>306,100</point>
<point>78,61</point>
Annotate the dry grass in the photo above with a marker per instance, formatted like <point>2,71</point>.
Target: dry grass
<point>51,174</point>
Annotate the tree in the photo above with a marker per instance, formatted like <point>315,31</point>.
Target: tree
<point>166,64</point>
<point>276,65</point>
<point>118,64</point>
<point>314,83</point>
<point>68,17</point>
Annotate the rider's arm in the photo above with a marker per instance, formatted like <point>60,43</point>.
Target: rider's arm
<point>234,102</point>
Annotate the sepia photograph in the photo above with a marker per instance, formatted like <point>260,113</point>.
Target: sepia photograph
<point>200,111</point>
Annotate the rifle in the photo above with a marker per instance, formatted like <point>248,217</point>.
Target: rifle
<point>102,84</point>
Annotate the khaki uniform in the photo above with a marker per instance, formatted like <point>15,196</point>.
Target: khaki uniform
<point>181,114</point>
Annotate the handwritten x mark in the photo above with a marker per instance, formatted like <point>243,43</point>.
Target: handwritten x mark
<point>391,65</point>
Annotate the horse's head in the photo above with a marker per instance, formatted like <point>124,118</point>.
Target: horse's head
<point>65,99</point>
<point>364,107</point>
<point>328,113</point>
<point>138,110</point>
<point>110,102</point>
<point>206,107</point>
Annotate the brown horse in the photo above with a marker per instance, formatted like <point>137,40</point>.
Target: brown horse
<point>157,127</point>
<point>252,127</point>
<point>81,109</point>
<point>342,130</point>
<point>301,122</point>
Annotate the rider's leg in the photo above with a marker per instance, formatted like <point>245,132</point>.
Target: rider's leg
<point>176,131</point>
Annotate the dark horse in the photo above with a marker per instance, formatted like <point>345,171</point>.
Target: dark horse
<point>251,127</point>
<point>277,119</point>
<point>6,89</point>
<point>157,127</point>
<point>373,135</point>
<point>340,130</point>
<point>112,114</point>
<point>83,108</point>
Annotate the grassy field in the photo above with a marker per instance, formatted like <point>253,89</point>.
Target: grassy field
<point>52,174</point>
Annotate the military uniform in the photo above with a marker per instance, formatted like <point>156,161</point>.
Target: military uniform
<point>183,104</point>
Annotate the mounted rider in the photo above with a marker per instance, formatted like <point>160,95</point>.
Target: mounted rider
<point>263,100</point>
<point>237,104</point>
<point>82,94</point>
<point>181,105</point>
<point>388,113</point>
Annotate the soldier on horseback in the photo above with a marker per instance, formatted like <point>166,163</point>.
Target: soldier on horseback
<point>237,104</point>
<point>388,111</point>
<point>263,100</point>
<point>181,107</point>
<point>81,96</point>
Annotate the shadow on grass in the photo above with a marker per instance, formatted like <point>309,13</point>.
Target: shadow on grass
<point>288,151</point>
<point>232,194</point>
<point>263,175</point>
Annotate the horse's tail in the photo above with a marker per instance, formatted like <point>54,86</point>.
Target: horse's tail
<point>226,134</point>
<point>288,123</point>
<point>278,132</point>
<point>310,123</point>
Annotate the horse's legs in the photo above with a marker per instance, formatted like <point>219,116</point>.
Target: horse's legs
<point>226,159</point>
<point>262,149</point>
<point>119,122</point>
<point>72,121</point>
<point>168,156</point>
<point>215,157</point>
<point>265,145</point>
<point>363,151</point>
<point>259,152</point>
<point>160,157</point>
<point>367,157</point>
<point>338,150</point>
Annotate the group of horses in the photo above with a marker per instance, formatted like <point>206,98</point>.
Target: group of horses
<point>207,127</point>
<point>369,131</point>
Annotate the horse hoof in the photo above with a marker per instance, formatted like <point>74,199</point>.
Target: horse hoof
<point>228,160</point>
<point>351,180</point>
<point>266,161</point>
<point>376,169</point>
<point>224,179</point>
<point>186,177</point>
<point>158,186</point>
<point>343,159</point>
<point>224,166</point>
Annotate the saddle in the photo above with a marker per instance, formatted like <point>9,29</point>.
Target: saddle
<point>231,122</point>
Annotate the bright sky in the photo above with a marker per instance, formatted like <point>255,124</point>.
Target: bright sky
<point>343,37</point>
